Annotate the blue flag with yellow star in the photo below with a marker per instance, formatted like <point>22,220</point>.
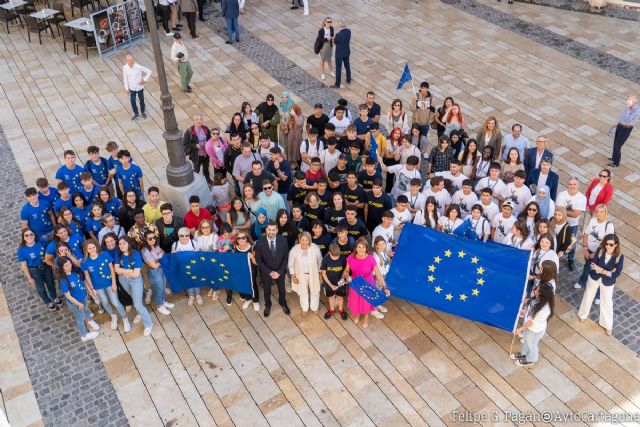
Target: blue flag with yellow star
<point>229,270</point>
<point>483,282</point>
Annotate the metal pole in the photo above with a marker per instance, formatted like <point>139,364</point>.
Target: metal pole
<point>179,172</point>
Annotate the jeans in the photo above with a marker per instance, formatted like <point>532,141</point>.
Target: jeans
<point>347,67</point>
<point>80,316</point>
<point>192,292</point>
<point>530,347</point>
<point>232,25</point>
<point>424,130</point>
<point>158,282</point>
<point>571,255</point>
<point>140,94</point>
<point>109,298</point>
<point>585,275</point>
<point>621,136</point>
<point>135,288</point>
<point>45,285</point>
<point>203,162</point>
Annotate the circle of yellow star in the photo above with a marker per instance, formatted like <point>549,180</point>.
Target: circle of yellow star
<point>475,292</point>
<point>437,260</point>
<point>461,254</point>
<point>480,281</point>
<point>432,278</point>
<point>480,270</point>
<point>463,297</point>
<point>449,297</point>
<point>474,260</point>
<point>432,268</point>
<point>438,289</point>
<point>447,253</point>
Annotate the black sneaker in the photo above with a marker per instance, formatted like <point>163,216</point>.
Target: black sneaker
<point>229,299</point>
<point>517,356</point>
<point>135,117</point>
<point>571,265</point>
<point>343,315</point>
<point>328,314</point>
<point>613,165</point>
<point>523,363</point>
<point>52,307</point>
<point>58,301</point>
<point>144,115</point>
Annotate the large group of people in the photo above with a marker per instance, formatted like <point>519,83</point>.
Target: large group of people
<point>316,201</point>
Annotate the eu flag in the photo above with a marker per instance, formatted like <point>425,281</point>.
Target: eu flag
<point>373,147</point>
<point>369,292</point>
<point>483,282</point>
<point>189,269</point>
<point>406,76</point>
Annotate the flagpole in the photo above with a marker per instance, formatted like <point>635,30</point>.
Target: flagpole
<point>413,86</point>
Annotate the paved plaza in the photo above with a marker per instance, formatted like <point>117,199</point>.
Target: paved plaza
<point>561,73</point>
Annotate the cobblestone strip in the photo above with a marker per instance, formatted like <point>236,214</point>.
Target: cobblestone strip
<point>566,45</point>
<point>294,78</point>
<point>70,383</point>
<point>584,7</point>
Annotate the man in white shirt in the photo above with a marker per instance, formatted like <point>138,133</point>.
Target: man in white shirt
<point>575,203</point>
<point>515,140</point>
<point>340,121</point>
<point>385,229</point>
<point>329,157</point>
<point>442,196</point>
<point>132,74</point>
<point>489,208</point>
<point>501,224</point>
<point>401,216</point>
<point>416,198</point>
<point>454,174</point>
<point>403,175</point>
<point>465,198</point>
<point>180,56</point>
<point>310,148</point>
<point>493,182</point>
<point>517,193</point>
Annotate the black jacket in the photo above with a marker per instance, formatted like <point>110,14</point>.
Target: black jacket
<point>168,239</point>
<point>268,262</point>
<point>190,142</point>
<point>342,42</point>
<point>230,157</point>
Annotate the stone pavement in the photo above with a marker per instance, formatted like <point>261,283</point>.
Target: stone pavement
<point>220,365</point>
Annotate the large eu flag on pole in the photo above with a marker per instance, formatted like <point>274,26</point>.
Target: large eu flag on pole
<point>483,282</point>
<point>190,269</point>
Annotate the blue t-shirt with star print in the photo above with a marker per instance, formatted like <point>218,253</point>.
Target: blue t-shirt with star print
<point>74,284</point>
<point>71,177</point>
<point>132,261</point>
<point>37,218</point>
<point>130,178</point>
<point>32,255</point>
<point>98,270</point>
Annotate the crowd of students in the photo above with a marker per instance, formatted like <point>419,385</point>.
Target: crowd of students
<point>339,198</point>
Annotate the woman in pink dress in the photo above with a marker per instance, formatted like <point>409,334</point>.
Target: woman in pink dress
<point>362,264</point>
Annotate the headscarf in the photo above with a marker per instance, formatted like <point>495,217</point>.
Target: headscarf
<point>543,203</point>
<point>285,107</point>
<point>267,111</point>
<point>258,228</point>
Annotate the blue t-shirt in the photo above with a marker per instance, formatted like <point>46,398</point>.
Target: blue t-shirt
<point>93,224</point>
<point>75,244</point>
<point>75,228</point>
<point>74,284</point>
<point>32,255</point>
<point>80,215</point>
<point>89,195</point>
<point>98,270</point>
<point>53,195</point>
<point>37,217</point>
<point>71,177</point>
<point>99,172</point>
<point>110,252</point>
<point>132,261</point>
<point>130,178</point>
<point>112,207</point>
<point>59,204</point>
<point>362,126</point>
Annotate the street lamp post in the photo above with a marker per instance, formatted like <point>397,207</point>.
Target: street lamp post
<point>179,173</point>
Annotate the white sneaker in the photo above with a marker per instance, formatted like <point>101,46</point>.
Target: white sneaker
<point>597,301</point>
<point>377,314</point>
<point>114,321</point>
<point>127,325</point>
<point>100,310</point>
<point>332,74</point>
<point>577,286</point>
<point>322,77</point>
<point>94,325</point>
<point>163,310</point>
<point>137,319</point>
<point>199,299</point>
<point>214,295</point>
<point>382,309</point>
<point>147,331</point>
<point>90,336</point>
<point>246,304</point>
<point>168,304</point>
<point>190,300</point>
<point>169,34</point>
<point>256,306</point>
<point>167,291</point>
<point>147,297</point>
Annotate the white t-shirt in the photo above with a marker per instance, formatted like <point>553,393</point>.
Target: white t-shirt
<point>406,152</point>
<point>341,125</point>
<point>416,202</point>
<point>402,179</point>
<point>419,219</point>
<point>329,160</point>
<point>482,168</point>
<point>502,227</point>
<point>596,231</point>
<point>498,186</point>
<point>577,202</point>
<point>442,198</point>
<point>399,218</point>
<point>481,226</point>
<point>315,150</point>
<point>515,242</point>
<point>386,233</point>
<point>540,319</point>
<point>449,226</point>
<point>542,180</point>
<point>594,193</point>
<point>207,243</point>
<point>189,246</point>
<point>517,196</point>
<point>488,212</point>
<point>456,180</point>
<point>465,201</point>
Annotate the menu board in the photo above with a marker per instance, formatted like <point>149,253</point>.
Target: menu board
<point>117,26</point>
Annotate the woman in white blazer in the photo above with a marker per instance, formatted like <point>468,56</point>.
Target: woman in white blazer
<point>304,267</point>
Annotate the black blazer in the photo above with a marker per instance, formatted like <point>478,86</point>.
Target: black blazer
<point>614,265</point>
<point>342,41</point>
<point>529,161</point>
<point>552,182</point>
<point>320,40</point>
<point>269,262</point>
<point>563,239</point>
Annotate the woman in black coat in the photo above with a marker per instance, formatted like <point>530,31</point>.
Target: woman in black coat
<point>324,46</point>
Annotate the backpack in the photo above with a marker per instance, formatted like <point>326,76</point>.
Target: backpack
<point>318,142</point>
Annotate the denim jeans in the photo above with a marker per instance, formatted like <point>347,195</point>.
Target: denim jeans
<point>530,347</point>
<point>571,255</point>
<point>424,130</point>
<point>192,292</point>
<point>232,25</point>
<point>158,282</point>
<point>585,275</point>
<point>109,298</point>
<point>80,316</point>
<point>45,285</point>
<point>135,288</point>
<point>140,94</point>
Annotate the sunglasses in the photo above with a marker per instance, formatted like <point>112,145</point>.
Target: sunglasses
<point>267,188</point>
<point>532,210</point>
<point>206,227</point>
<point>329,22</point>
<point>183,235</point>
<point>215,133</point>
<point>241,238</point>
<point>29,235</point>
<point>612,245</point>
<point>151,238</point>
<point>603,176</point>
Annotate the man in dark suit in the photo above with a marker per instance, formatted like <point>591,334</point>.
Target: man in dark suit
<point>342,40</point>
<point>551,179</point>
<point>533,157</point>
<point>272,256</point>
